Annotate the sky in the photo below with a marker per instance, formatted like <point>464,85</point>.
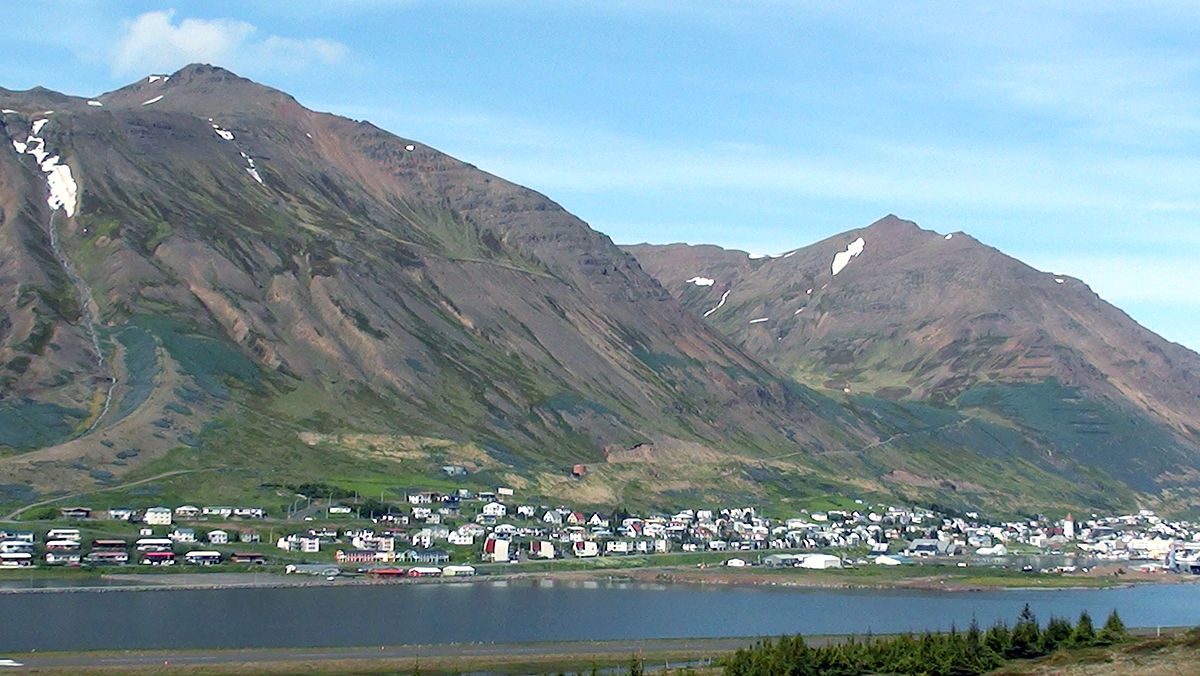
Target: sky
<point>1065,134</point>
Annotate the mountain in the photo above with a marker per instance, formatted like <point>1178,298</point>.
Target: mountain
<point>897,312</point>
<point>211,293</point>
<point>217,266</point>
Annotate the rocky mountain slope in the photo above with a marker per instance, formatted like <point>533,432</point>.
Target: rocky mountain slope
<point>208,291</point>
<point>897,312</point>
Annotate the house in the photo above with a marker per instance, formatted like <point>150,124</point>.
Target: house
<point>152,544</point>
<point>157,516</point>
<point>218,537</point>
<point>158,559</point>
<point>187,512</point>
<point>458,571</point>
<point>552,517</point>
<point>249,537</point>
<point>220,512</point>
<point>595,520</point>
<point>111,557</point>
<point>526,511</point>
<point>16,559</point>
<point>454,470</point>
<point>121,514</point>
<point>295,542</point>
<point>579,471</point>
<point>183,535</point>
<point>494,509</point>
<point>249,513</point>
<point>541,549</point>
<point>61,545</point>
<point>429,556</point>
<point>63,534</point>
<point>15,547</point>
<point>76,512</point>
<point>585,549</point>
<point>460,539</point>
<point>496,550</point>
<point>575,519</point>
<point>617,547</point>
<point>202,558</point>
<point>354,556</point>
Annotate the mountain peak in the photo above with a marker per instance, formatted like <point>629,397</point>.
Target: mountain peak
<point>202,89</point>
<point>893,222</point>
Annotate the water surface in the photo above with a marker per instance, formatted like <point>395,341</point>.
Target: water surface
<point>539,610</point>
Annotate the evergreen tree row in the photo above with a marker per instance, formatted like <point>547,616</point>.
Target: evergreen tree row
<point>933,654</point>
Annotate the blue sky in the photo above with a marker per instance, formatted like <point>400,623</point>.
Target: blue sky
<point>1066,136</point>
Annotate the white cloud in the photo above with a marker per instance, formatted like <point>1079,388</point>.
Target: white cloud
<point>154,42</point>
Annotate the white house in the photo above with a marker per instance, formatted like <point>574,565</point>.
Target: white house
<point>183,535</point>
<point>460,539</point>
<point>218,537</point>
<point>585,549</point>
<point>494,509</point>
<point>187,512</point>
<point>157,516</point>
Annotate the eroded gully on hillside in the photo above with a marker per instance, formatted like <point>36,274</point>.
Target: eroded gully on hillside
<point>88,316</point>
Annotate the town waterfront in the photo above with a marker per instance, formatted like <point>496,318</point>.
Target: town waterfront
<point>519,611</point>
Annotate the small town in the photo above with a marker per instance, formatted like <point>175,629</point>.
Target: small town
<point>434,534</point>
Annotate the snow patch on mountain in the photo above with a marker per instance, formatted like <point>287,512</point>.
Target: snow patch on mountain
<point>842,258</point>
<point>62,191</point>
<point>701,281</point>
<point>223,133</point>
<point>724,296</point>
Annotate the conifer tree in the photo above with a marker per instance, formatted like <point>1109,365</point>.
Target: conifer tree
<point>999,639</point>
<point>1026,636</point>
<point>1113,631</point>
<point>1057,635</point>
<point>1084,634</point>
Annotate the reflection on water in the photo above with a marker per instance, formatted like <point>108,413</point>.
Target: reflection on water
<point>515,611</point>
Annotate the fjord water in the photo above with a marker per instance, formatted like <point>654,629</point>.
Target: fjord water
<point>526,611</point>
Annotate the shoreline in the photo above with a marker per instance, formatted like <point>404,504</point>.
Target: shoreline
<point>920,580</point>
